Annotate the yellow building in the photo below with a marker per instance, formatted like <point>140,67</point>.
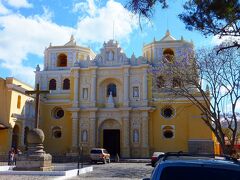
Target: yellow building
<point>109,100</point>
<point>16,114</point>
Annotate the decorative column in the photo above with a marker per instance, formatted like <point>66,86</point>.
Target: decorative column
<point>145,146</point>
<point>145,87</point>
<point>75,131</point>
<point>126,87</point>
<point>59,83</point>
<point>93,86</point>
<point>126,138</point>
<point>76,86</point>
<point>93,129</point>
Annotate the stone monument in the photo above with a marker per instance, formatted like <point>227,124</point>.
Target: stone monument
<point>35,159</point>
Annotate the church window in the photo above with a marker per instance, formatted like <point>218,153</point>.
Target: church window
<point>84,136</point>
<point>167,112</point>
<point>135,136</point>
<point>176,82</point>
<point>160,82</point>
<point>62,60</point>
<point>57,113</point>
<point>168,132</point>
<point>66,84</point>
<point>136,92</point>
<point>56,132</point>
<point>19,102</point>
<point>52,84</point>
<point>168,54</point>
<point>112,88</point>
<point>85,93</point>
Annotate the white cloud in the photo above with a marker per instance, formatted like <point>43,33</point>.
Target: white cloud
<point>97,25</point>
<point>21,36</point>
<point>88,7</point>
<point>19,3</point>
<point>3,9</point>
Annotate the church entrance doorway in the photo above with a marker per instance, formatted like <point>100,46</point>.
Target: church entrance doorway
<point>111,141</point>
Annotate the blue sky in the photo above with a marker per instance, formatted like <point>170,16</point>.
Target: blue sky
<point>28,26</point>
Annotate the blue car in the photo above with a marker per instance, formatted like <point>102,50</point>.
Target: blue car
<point>189,167</point>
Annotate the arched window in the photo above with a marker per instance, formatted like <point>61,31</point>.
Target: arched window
<point>112,88</point>
<point>168,132</point>
<point>52,84</point>
<point>168,54</point>
<point>19,102</point>
<point>62,60</point>
<point>56,132</point>
<point>66,84</point>
<point>176,82</point>
<point>160,82</point>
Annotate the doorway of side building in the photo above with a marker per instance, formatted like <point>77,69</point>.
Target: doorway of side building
<point>111,141</point>
<point>15,137</point>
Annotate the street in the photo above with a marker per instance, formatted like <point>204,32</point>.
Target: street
<point>110,171</point>
<point>118,171</point>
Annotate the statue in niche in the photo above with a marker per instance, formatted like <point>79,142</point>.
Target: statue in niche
<point>135,136</point>
<point>110,56</point>
<point>135,92</point>
<point>85,93</point>
<point>84,136</point>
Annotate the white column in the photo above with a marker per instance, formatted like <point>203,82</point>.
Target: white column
<point>126,87</point>
<point>92,132</point>
<point>75,130</point>
<point>76,85</point>
<point>126,135</point>
<point>145,132</point>
<point>145,86</point>
<point>59,84</point>
<point>93,87</point>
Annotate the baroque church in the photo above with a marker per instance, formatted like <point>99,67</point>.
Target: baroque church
<point>110,100</point>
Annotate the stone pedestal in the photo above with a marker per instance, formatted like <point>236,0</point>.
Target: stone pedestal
<point>35,159</point>
<point>34,163</point>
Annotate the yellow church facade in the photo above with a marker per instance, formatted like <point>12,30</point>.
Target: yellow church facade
<point>109,100</point>
<point>16,114</point>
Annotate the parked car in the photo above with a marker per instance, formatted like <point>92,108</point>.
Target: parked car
<point>155,157</point>
<point>99,155</point>
<point>192,167</point>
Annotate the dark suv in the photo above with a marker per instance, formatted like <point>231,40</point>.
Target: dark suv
<point>185,166</point>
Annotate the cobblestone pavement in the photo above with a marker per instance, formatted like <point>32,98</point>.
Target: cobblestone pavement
<point>118,171</point>
<point>112,171</point>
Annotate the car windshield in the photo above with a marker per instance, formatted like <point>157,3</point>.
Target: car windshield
<point>105,151</point>
<point>198,173</point>
<point>96,151</point>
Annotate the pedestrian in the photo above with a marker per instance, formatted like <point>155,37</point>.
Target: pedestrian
<point>11,155</point>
